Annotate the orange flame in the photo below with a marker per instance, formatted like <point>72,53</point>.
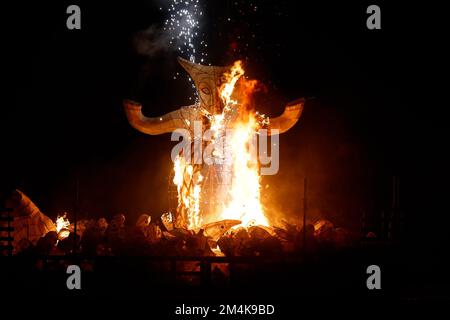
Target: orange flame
<point>227,88</point>
<point>242,200</point>
<point>244,193</point>
<point>188,185</point>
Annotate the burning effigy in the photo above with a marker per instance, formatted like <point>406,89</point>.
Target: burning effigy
<point>217,169</point>
<point>217,172</point>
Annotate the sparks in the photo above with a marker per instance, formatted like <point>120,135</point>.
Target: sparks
<point>183,24</point>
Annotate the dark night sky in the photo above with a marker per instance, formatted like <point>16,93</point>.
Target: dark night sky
<point>369,121</point>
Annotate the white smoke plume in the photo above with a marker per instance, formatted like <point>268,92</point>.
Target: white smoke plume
<point>151,41</point>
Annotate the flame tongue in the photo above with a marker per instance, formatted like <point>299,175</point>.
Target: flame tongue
<point>227,88</point>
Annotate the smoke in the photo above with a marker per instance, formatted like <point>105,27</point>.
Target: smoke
<point>180,32</point>
<point>151,41</point>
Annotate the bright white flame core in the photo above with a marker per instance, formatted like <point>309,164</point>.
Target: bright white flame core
<point>245,189</point>
<point>62,224</point>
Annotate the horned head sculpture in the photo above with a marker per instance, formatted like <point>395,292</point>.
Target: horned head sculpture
<point>207,80</point>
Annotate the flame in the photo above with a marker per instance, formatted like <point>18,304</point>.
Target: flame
<point>227,88</point>
<point>242,199</point>
<point>244,193</point>
<point>188,185</point>
<point>245,189</point>
<point>62,226</point>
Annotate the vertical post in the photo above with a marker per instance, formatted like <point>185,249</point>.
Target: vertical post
<point>173,269</point>
<point>304,212</point>
<point>363,223</point>
<point>10,237</point>
<point>394,220</point>
<point>75,214</point>
<point>395,192</point>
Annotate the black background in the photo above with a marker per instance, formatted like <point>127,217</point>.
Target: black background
<point>377,110</point>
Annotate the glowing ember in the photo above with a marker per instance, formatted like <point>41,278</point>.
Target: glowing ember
<point>62,226</point>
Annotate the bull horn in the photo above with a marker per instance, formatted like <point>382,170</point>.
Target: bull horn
<point>199,71</point>
<point>153,126</point>
<point>289,118</point>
